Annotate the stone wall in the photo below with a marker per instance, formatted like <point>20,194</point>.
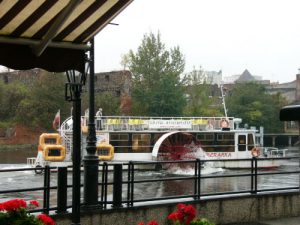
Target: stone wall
<point>220,211</point>
<point>25,76</point>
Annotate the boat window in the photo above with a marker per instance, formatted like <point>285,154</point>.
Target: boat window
<point>205,137</point>
<point>119,137</point>
<point>250,141</point>
<point>242,143</point>
<point>225,137</point>
<point>141,142</point>
<point>224,142</point>
<point>120,142</point>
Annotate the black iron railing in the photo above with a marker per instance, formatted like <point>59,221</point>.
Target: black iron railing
<point>121,182</point>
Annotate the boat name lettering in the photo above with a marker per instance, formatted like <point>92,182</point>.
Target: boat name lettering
<point>158,124</point>
<point>218,154</point>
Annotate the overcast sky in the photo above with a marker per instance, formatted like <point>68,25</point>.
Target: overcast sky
<point>262,36</point>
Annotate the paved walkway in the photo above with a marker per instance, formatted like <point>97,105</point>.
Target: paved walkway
<point>283,221</point>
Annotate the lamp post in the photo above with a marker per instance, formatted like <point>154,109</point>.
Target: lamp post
<point>73,91</point>
<point>90,160</point>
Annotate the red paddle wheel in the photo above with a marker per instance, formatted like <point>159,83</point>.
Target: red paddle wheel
<point>178,146</point>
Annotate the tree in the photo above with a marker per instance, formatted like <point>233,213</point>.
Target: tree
<point>200,101</point>
<point>109,103</point>
<point>157,89</point>
<point>10,97</point>
<point>255,106</point>
<point>46,97</point>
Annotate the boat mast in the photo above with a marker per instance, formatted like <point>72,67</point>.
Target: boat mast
<point>223,100</point>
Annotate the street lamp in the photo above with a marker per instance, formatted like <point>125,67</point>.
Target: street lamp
<point>73,89</point>
<point>91,160</point>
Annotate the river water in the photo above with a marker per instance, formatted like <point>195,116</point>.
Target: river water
<point>28,179</point>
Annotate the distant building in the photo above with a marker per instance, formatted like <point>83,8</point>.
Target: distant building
<point>209,77</point>
<point>24,76</point>
<point>245,77</point>
<point>117,83</point>
<point>230,79</point>
<point>213,77</point>
<point>290,90</point>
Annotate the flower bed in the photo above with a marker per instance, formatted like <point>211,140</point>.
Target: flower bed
<point>14,212</point>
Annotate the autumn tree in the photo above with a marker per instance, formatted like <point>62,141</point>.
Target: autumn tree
<point>157,89</point>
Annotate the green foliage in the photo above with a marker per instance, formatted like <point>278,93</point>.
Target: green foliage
<point>105,100</point>
<point>18,217</point>
<point>45,98</point>
<point>255,106</point>
<point>157,87</point>
<point>199,99</point>
<point>10,97</point>
<point>202,221</point>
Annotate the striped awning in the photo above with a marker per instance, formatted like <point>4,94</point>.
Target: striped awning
<point>52,34</point>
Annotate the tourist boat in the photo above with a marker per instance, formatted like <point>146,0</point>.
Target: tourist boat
<point>126,139</point>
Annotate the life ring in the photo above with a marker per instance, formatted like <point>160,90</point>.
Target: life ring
<point>38,169</point>
<point>48,139</point>
<point>255,152</point>
<point>54,153</point>
<point>108,151</point>
<point>224,123</point>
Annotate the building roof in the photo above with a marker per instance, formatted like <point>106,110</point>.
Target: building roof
<point>246,76</point>
<point>52,34</point>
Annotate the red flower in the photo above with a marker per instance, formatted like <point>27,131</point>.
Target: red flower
<point>190,211</point>
<point>46,219</point>
<point>176,216</point>
<point>35,203</point>
<point>13,205</point>
<point>1,207</point>
<point>180,207</point>
<point>184,214</point>
<point>141,223</point>
<point>152,222</point>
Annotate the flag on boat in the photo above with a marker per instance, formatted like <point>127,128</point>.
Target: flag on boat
<point>56,121</point>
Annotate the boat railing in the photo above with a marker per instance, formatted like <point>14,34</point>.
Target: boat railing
<point>141,123</point>
<point>31,161</point>
<point>275,152</point>
<point>131,123</point>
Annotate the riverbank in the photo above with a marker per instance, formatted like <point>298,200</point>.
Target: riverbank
<point>20,135</point>
<point>17,153</point>
<point>18,147</point>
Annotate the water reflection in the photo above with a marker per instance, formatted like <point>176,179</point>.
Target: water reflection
<point>16,156</point>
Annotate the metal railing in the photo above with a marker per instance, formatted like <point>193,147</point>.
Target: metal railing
<point>195,180</point>
<point>121,182</point>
